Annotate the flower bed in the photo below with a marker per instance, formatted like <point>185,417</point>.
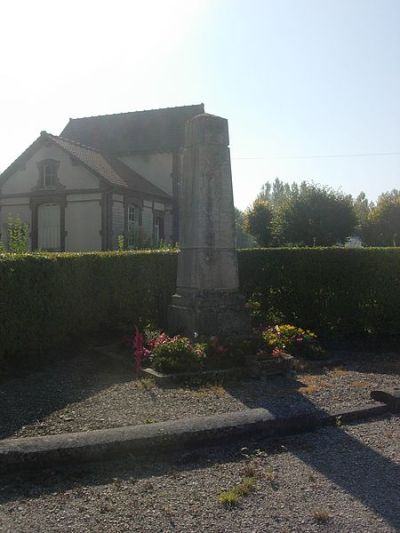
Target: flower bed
<point>267,351</point>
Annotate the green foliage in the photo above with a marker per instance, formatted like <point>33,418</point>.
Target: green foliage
<point>257,221</point>
<point>47,299</point>
<point>314,216</point>
<point>243,238</point>
<point>382,226</point>
<point>293,340</point>
<point>362,208</point>
<point>18,235</point>
<point>301,215</point>
<point>278,191</point>
<point>177,354</point>
<point>120,243</point>
<point>332,291</point>
<point>231,497</point>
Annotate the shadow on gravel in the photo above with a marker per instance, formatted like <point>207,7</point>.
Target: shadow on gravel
<point>365,474</point>
<point>33,397</point>
<point>362,472</point>
<point>375,363</point>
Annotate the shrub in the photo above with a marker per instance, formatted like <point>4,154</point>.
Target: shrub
<point>293,340</point>
<point>18,235</point>
<point>48,298</point>
<point>176,354</point>
<point>332,291</point>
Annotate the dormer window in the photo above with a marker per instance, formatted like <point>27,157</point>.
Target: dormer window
<point>48,171</point>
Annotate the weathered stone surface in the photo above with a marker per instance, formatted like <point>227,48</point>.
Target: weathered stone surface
<point>207,299</point>
<point>152,441</point>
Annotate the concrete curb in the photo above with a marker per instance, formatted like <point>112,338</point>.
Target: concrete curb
<point>166,438</point>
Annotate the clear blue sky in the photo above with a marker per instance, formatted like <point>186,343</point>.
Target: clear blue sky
<point>295,78</point>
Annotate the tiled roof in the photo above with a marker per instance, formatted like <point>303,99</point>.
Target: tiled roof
<point>156,130</point>
<point>112,170</point>
<point>109,169</point>
<point>91,158</point>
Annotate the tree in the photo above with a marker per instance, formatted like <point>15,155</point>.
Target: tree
<point>257,221</point>
<point>362,208</point>
<point>276,192</point>
<point>314,216</point>
<point>243,239</point>
<point>383,223</point>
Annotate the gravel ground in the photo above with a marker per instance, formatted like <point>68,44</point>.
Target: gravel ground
<point>343,479</point>
<point>89,392</point>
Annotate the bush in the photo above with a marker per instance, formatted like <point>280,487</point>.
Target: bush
<point>292,340</point>
<point>332,291</point>
<point>47,299</point>
<point>177,354</point>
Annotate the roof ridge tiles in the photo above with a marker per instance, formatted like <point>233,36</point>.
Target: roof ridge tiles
<point>140,111</point>
<point>77,143</point>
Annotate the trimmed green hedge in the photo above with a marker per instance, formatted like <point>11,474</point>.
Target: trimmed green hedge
<point>334,291</point>
<point>47,298</point>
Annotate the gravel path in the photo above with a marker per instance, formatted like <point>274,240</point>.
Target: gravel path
<point>343,479</point>
<point>89,392</point>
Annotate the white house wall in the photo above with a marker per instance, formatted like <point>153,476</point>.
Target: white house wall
<point>155,167</point>
<point>72,176</point>
<point>83,226</point>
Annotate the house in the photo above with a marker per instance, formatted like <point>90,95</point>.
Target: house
<point>102,178</point>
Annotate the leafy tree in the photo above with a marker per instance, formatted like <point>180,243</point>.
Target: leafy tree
<point>314,216</point>
<point>362,208</point>
<point>257,221</point>
<point>383,222</point>
<point>243,239</point>
<point>276,192</point>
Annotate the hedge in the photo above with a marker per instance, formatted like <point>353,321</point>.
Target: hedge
<point>48,298</point>
<point>334,291</point>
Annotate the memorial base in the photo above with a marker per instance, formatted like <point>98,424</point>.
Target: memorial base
<point>206,313</point>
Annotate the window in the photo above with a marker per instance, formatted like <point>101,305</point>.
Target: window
<point>48,174</point>
<point>133,225</point>
<point>158,229</point>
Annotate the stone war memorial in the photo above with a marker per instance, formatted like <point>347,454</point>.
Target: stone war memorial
<point>207,300</point>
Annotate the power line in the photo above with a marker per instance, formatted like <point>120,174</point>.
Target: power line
<point>325,156</point>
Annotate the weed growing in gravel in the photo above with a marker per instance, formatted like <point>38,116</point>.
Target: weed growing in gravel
<point>321,516</point>
<point>246,486</point>
<point>231,497</point>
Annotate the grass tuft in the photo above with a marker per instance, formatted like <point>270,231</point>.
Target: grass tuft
<point>231,497</point>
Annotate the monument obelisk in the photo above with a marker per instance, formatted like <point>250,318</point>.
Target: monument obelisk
<point>207,300</point>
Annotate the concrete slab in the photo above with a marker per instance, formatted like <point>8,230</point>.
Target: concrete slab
<point>160,439</point>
